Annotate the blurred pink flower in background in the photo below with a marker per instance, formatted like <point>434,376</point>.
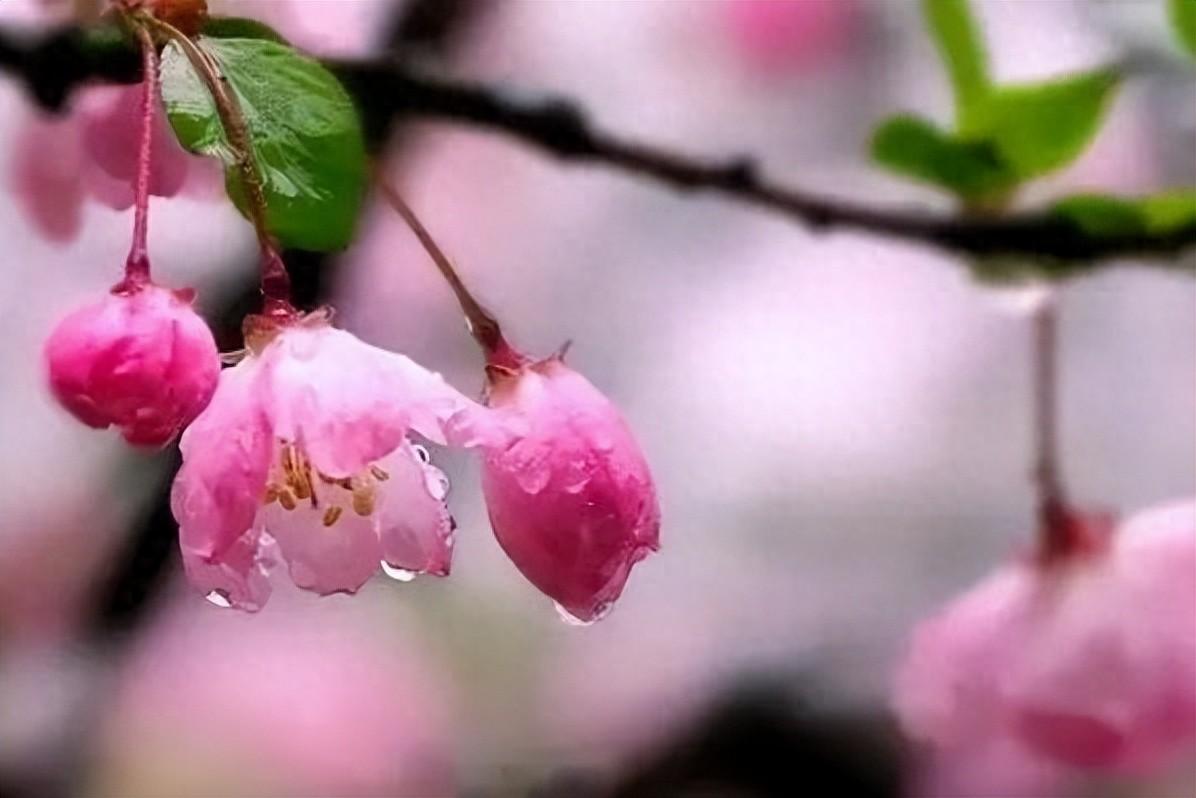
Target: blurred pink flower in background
<point>571,500</point>
<point>304,700</point>
<point>139,359</point>
<point>305,443</point>
<point>1088,660</point>
<point>776,36</point>
<point>58,163</point>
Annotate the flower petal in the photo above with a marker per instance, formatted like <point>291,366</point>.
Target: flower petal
<point>49,189</point>
<point>107,114</point>
<point>226,457</point>
<point>335,558</point>
<point>238,578</point>
<point>414,524</point>
<point>348,404</point>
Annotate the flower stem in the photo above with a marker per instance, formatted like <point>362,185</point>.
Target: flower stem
<point>276,283</point>
<point>1058,528</point>
<point>482,325</point>
<point>137,266</point>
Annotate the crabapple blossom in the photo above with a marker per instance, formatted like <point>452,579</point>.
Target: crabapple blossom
<point>304,445</point>
<point>141,359</point>
<point>1087,658</point>
<point>569,493</point>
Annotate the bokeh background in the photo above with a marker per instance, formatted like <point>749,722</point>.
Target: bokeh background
<point>838,423</point>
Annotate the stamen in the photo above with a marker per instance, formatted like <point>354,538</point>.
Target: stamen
<point>363,499</point>
<point>331,515</point>
<point>379,473</point>
<point>271,494</point>
<point>286,499</point>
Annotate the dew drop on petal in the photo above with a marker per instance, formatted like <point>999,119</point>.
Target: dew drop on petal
<point>421,453</point>
<point>219,598</point>
<point>437,484</point>
<point>396,573</point>
<point>572,620</point>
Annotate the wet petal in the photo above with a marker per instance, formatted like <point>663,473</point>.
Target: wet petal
<point>348,404</point>
<point>237,578</point>
<point>324,558</point>
<point>414,524</point>
<point>226,456</point>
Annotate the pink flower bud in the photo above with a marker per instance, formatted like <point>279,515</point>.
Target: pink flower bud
<point>1088,660</point>
<point>140,359</point>
<point>570,496</point>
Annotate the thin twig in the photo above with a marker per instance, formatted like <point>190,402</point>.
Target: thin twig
<point>386,87</point>
<point>276,283</point>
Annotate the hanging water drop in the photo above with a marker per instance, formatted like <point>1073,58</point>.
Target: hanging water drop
<point>572,620</point>
<point>421,453</point>
<point>396,573</point>
<point>219,598</point>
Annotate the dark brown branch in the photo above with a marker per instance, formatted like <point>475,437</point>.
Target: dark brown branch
<point>385,88</point>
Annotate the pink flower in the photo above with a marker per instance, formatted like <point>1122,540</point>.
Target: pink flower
<point>305,444</point>
<point>775,35</point>
<point>570,496</point>
<point>57,163</point>
<point>1088,660</point>
<point>140,359</point>
<point>319,701</point>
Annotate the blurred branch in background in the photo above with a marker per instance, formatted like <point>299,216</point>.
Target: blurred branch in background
<point>387,88</point>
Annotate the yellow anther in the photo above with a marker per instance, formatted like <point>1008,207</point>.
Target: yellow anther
<point>363,499</point>
<point>286,499</point>
<point>331,515</point>
<point>271,494</point>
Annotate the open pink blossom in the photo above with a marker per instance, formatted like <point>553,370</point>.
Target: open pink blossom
<point>58,163</point>
<point>570,496</point>
<point>305,445</point>
<point>1088,660</point>
<point>141,359</point>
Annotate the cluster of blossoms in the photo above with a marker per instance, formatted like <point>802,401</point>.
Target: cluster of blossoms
<point>303,452</point>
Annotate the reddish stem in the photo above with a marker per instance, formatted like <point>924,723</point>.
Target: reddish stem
<point>482,325</point>
<point>137,266</point>
<point>1061,531</point>
<point>276,282</point>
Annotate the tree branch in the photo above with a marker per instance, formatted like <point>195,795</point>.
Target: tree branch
<point>53,66</point>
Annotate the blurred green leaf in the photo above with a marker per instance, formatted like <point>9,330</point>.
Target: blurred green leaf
<point>959,43</point>
<point>916,148</point>
<point>304,129</point>
<point>240,28</point>
<point>1183,18</point>
<point>1104,215</point>
<point>1040,127</point>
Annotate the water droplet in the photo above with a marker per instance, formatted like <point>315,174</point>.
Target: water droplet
<point>421,453</point>
<point>219,598</point>
<point>396,573</point>
<point>437,484</point>
<point>572,620</point>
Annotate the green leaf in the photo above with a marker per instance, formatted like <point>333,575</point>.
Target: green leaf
<point>1103,215</point>
<point>240,28</point>
<point>1040,127</point>
<point>959,44</point>
<point>305,134</point>
<point>914,147</point>
<point>1183,19</point>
